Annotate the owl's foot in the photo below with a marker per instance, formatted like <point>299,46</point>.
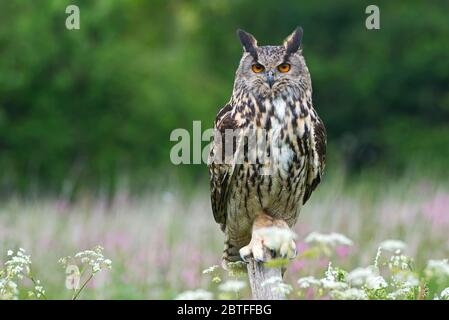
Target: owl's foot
<point>270,239</point>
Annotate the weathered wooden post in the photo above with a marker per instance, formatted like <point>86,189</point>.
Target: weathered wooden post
<point>258,273</point>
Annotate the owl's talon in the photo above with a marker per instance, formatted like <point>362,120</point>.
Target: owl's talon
<point>288,250</point>
<point>245,254</point>
<point>270,243</point>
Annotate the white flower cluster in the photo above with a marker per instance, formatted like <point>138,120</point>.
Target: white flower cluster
<point>331,280</point>
<point>232,286</point>
<point>400,293</point>
<point>358,276</point>
<point>393,245</point>
<point>94,258</point>
<point>349,294</point>
<point>18,265</point>
<point>8,289</point>
<point>368,277</point>
<point>368,283</point>
<point>344,286</point>
<point>376,283</point>
<point>16,268</point>
<point>199,294</point>
<point>405,279</point>
<point>437,268</point>
<point>211,269</point>
<point>307,282</point>
<point>444,295</point>
<point>399,261</point>
<point>38,290</point>
<point>330,240</point>
<point>277,285</point>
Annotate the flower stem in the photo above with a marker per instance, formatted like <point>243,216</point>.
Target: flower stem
<point>82,287</point>
<point>35,284</point>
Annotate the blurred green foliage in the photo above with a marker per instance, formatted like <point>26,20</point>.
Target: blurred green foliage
<point>82,108</point>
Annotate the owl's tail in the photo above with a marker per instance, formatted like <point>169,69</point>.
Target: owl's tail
<point>230,253</point>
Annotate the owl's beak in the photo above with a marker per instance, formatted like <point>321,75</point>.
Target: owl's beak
<point>270,78</point>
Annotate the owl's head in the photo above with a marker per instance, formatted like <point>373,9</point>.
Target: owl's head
<point>267,70</point>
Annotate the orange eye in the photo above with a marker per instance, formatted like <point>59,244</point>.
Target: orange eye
<point>258,68</point>
<point>284,67</point>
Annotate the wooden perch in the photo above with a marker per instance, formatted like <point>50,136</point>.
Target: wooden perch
<point>258,273</point>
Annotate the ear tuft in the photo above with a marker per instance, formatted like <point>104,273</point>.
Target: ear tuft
<point>248,41</point>
<point>293,41</point>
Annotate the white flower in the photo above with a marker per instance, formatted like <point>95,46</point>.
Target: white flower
<point>332,239</point>
<point>210,269</point>
<point>107,263</point>
<point>330,281</point>
<point>393,245</point>
<point>199,294</point>
<point>93,258</point>
<point>232,286</point>
<point>8,289</point>
<point>399,294</point>
<point>368,277</point>
<point>330,272</point>
<point>16,268</point>
<point>96,268</point>
<point>437,268</point>
<point>278,285</point>
<point>406,279</point>
<point>333,285</point>
<point>445,294</point>
<point>399,262</point>
<point>349,294</point>
<point>18,265</point>
<point>306,282</point>
<point>283,288</point>
<point>358,276</point>
<point>376,282</point>
<point>39,291</point>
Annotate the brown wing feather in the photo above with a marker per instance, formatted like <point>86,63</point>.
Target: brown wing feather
<point>221,174</point>
<point>317,161</point>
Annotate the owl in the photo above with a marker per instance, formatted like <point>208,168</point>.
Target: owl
<point>258,189</point>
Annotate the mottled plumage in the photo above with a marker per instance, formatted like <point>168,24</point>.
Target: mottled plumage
<point>279,104</point>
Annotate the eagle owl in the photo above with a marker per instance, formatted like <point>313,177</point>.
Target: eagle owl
<point>272,95</point>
